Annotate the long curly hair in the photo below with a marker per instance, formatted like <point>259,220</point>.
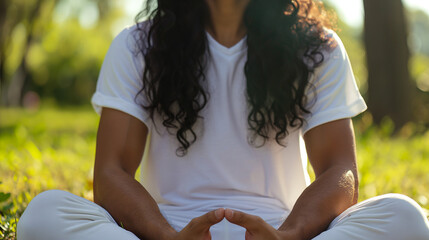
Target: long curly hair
<point>285,39</point>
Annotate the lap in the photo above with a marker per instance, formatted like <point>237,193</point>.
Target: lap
<point>61,215</point>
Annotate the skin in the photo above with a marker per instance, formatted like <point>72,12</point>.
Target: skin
<point>119,150</point>
<point>226,24</point>
<point>331,150</point>
<point>120,144</point>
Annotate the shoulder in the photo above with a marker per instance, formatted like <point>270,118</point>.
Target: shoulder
<point>326,51</point>
<point>334,51</point>
<point>329,58</point>
<point>131,39</point>
<point>126,38</point>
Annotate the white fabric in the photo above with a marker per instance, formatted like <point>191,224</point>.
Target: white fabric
<point>55,215</point>
<point>221,169</point>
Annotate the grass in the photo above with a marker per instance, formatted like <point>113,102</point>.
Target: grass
<point>55,148</point>
<point>48,149</point>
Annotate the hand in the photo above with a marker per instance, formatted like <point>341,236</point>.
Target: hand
<point>199,228</point>
<point>256,227</point>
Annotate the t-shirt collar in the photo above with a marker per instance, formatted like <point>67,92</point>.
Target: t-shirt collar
<point>238,47</point>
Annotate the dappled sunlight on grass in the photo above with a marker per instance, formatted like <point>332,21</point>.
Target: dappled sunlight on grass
<point>48,149</point>
<point>398,165</point>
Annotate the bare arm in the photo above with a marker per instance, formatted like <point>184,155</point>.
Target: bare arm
<point>120,144</point>
<point>331,151</point>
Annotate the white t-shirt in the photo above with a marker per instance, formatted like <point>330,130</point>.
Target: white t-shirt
<point>221,169</point>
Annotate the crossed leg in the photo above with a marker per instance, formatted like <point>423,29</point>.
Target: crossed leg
<point>390,216</point>
<point>55,215</point>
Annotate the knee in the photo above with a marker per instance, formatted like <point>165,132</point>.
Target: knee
<point>48,197</point>
<point>45,201</point>
<point>408,213</point>
<point>39,212</point>
<point>401,204</point>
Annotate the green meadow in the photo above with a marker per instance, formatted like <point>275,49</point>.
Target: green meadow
<point>55,148</point>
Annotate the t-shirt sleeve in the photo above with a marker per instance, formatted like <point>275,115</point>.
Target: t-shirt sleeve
<point>334,94</point>
<point>120,78</point>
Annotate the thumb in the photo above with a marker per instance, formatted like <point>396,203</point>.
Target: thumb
<point>207,220</point>
<point>248,221</point>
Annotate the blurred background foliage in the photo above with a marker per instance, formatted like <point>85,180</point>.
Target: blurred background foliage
<point>52,50</point>
<point>50,55</point>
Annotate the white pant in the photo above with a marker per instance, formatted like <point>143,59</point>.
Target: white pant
<point>59,215</point>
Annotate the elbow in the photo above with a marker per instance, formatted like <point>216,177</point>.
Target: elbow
<point>101,184</point>
<point>356,188</point>
<point>96,186</point>
<point>350,184</point>
<point>107,178</point>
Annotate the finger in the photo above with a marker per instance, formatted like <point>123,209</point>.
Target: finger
<point>248,221</point>
<point>207,220</point>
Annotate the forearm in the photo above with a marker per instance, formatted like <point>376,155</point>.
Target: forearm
<point>130,204</point>
<point>330,194</point>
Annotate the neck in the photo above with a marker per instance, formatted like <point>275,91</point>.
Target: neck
<point>226,20</point>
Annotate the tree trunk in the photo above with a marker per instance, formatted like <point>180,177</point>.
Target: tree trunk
<point>3,33</point>
<point>20,77</point>
<point>389,85</point>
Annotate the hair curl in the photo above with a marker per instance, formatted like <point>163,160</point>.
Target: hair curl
<point>285,39</point>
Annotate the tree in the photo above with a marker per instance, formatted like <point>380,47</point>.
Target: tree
<point>58,58</point>
<point>32,16</point>
<point>389,84</point>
